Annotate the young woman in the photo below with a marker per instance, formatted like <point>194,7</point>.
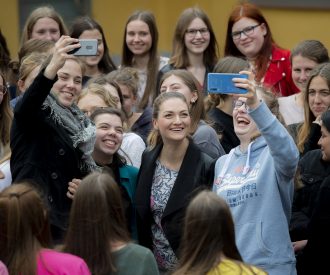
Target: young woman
<point>101,63</point>
<point>304,58</point>
<point>315,214</point>
<point>203,135</point>
<point>97,231</point>
<point>109,136</point>
<point>208,243</point>
<point>51,139</point>
<point>6,117</point>
<point>220,109</point>
<point>256,179</point>
<point>31,254</point>
<point>138,122</point>
<point>249,36</point>
<point>96,96</point>
<point>43,23</point>
<point>195,47</point>
<point>316,101</point>
<point>171,171</point>
<point>140,52</point>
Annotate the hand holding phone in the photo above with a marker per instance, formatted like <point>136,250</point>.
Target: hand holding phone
<point>222,83</point>
<point>88,47</point>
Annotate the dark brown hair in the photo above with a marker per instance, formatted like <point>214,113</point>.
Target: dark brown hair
<point>213,234</point>
<point>153,63</point>
<point>85,23</point>
<point>24,228</point>
<point>250,11</point>
<point>93,226</point>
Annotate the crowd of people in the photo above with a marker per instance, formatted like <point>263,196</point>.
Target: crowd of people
<point>135,168</point>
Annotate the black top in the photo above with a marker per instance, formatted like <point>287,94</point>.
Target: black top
<point>196,173</point>
<point>43,152</point>
<point>224,126</point>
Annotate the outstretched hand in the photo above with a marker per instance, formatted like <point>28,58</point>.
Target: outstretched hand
<point>64,45</point>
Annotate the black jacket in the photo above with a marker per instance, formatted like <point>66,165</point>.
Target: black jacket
<point>312,171</point>
<point>42,151</point>
<point>196,172</point>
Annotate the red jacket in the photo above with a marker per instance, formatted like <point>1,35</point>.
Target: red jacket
<point>278,75</point>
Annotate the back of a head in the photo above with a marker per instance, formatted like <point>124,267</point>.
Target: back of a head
<point>93,226</point>
<point>29,63</point>
<point>311,49</point>
<point>23,217</point>
<point>213,234</point>
<point>35,45</point>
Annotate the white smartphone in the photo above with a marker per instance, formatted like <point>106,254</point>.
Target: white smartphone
<point>87,47</point>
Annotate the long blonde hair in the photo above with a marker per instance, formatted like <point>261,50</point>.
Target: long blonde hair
<point>322,70</point>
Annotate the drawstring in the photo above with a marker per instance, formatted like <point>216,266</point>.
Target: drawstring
<point>247,164</point>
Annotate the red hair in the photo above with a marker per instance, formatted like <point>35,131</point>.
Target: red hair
<point>250,11</point>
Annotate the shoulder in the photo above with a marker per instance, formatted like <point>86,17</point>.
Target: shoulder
<point>166,68</point>
<point>128,170</point>
<point>279,53</point>
<point>163,61</point>
<point>63,262</point>
<point>311,157</point>
<point>234,267</point>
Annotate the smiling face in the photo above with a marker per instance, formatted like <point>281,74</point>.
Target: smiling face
<point>324,143</point>
<point>93,61</point>
<point>301,68</point>
<point>176,84</point>
<point>109,136</point>
<point>318,95</point>
<point>197,42</point>
<point>46,29</point>
<point>138,37</point>
<point>249,45</point>
<point>244,126</point>
<point>173,121</point>
<point>68,86</point>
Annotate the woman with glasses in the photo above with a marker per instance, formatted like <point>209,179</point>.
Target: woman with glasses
<point>256,180</point>
<point>248,35</point>
<point>195,47</point>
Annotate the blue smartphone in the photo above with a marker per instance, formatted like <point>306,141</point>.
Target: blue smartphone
<point>222,83</point>
<point>87,47</point>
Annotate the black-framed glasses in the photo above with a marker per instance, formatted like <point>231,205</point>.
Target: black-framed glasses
<point>3,89</point>
<point>247,31</point>
<point>193,32</point>
<point>239,103</point>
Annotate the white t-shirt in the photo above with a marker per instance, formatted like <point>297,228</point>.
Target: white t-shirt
<point>291,112</point>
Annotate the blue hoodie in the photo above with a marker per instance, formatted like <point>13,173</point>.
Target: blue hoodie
<point>258,187</point>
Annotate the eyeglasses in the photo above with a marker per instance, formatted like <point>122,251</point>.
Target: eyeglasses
<point>3,89</point>
<point>193,32</point>
<point>239,103</point>
<point>247,31</point>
